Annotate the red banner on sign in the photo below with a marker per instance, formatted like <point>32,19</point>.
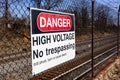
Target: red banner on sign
<point>53,22</point>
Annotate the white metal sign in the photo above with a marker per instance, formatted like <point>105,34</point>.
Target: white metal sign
<point>52,38</point>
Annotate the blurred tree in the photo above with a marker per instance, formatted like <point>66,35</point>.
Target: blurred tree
<point>101,17</point>
<point>82,12</point>
<point>85,17</point>
<point>47,4</point>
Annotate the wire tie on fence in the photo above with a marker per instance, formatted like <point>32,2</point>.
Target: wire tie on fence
<point>28,7</point>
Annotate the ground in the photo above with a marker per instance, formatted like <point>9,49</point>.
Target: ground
<point>111,72</point>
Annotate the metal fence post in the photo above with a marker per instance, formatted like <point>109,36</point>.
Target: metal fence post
<point>38,3</point>
<point>92,43</point>
<point>6,12</point>
<point>118,31</point>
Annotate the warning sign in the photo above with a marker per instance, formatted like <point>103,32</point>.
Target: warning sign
<point>52,38</point>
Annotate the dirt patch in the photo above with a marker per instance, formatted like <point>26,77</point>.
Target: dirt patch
<point>11,42</point>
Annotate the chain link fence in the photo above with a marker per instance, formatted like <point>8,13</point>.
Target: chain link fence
<point>15,55</point>
<point>15,46</point>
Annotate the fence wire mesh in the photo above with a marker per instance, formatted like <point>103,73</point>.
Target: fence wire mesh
<point>15,46</point>
<point>15,49</point>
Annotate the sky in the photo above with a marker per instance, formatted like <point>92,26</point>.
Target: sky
<point>113,4</point>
